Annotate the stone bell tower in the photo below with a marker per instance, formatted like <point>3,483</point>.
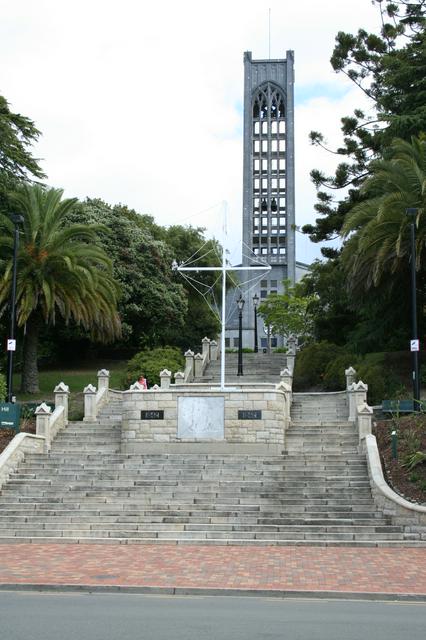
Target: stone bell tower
<point>268,187</point>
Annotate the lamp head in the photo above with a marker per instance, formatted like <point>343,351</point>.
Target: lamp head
<point>255,300</point>
<point>240,303</point>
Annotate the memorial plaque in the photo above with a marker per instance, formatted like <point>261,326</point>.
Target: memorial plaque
<point>152,415</point>
<point>201,418</point>
<point>253,414</point>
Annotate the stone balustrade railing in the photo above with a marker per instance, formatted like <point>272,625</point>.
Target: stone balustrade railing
<point>15,452</point>
<point>195,364</point>
<point>291,353</point>
<point>48,423</point>
<point>94,399</point>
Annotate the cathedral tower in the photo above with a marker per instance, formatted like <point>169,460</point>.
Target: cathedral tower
<point>268,187</point>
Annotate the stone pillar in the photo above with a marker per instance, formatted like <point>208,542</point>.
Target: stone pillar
<point>43,413</point>
<point>290,362</point>
<point>89,403</point>
<point>214,349</point>
<point>198,365</point>
<point>62,391</point>
<point>357,393</point>
<point>166,378</point>
<point>103,379</point>
<point>180,376</point>
<point>350,376</point>
<point>291,345</point>
<point>287,377</point>
<point>206,349</point>
<point>189,365</point>
<point>364,420</point>
<point>282,386</point>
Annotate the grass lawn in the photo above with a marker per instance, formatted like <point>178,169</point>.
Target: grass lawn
<point>75,378</point>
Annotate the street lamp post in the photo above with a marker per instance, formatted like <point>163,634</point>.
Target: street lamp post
<point>240,303</point>
<point>255,303</point>
<point>414,337</point>
<point>16,219</point>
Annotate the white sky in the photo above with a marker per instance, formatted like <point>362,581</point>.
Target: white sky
<point>141,102</point>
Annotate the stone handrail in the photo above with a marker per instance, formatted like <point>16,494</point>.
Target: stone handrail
<point>15,452</point>
<point>413,516</point>
<point>189,366</point>
<point>94,399</point>
<point>195,364</point>
<point>48,424</point>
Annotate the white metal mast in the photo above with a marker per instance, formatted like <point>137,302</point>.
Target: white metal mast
<point>224,268</point>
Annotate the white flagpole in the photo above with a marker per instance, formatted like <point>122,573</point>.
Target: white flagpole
<point>222,347</point>
<point>224,268</point>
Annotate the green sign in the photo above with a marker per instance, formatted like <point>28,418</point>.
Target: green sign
<point>10,415</point>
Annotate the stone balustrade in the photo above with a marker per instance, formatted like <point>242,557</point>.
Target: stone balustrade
<point>48,423</point>
<point>15,451</point>
<point>94,399</point>
<point>357,396</point>
<point>189,366</point>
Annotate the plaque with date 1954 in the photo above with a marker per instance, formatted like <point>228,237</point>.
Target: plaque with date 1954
<point>253,414</point>
<point>152,415</point>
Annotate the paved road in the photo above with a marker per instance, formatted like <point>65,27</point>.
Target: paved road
<point>68,616</point>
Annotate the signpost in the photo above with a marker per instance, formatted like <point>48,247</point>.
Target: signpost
<point>10,415</point>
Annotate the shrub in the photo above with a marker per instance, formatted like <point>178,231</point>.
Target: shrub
<point>374,376</point>
<point>334,375</point>
<point>151,362</point>
<point>312,362</point>
<point>3,387</point>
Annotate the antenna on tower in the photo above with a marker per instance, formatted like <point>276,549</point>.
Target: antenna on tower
<point>269,22</point>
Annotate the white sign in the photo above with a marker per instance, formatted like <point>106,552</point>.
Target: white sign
<point>415,345</point>
<point>201,418</point>
<point>11,344</point>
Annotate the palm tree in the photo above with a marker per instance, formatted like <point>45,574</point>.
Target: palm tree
<point>378,228</point>
<point>61,271</point>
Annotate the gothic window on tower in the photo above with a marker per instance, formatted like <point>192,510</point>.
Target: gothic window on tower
<point>268,172</point>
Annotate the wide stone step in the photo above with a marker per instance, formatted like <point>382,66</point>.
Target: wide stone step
<point>197,535</point>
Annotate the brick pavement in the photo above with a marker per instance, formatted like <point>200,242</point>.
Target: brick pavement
<point>304,569</point>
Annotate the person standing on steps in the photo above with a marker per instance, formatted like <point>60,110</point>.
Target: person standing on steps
<point>142,381</point>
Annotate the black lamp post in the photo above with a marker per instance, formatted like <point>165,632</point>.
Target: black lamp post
<point>414,343</point>
<point>16,219</point>
<point>255,303</point>
<point>240,303</point>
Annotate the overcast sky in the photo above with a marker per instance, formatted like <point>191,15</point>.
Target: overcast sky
<point>141,102</point>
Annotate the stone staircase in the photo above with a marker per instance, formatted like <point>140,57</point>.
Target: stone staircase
<point>257,367</point>
<point>85,490</point>
<point>320,408</point>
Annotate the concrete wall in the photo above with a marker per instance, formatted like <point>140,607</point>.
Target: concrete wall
<point>269,432</point>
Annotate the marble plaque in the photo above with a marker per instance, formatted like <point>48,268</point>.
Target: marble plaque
<point>251,414</point>
<point>152,415</point>
<point>201,418</point>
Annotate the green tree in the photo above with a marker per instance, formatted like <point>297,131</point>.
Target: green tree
<point>389,68</point>
<point>333,314</point>
<point>379,242</point>
<point>61,272</point>
<point>17,134</point>
<point>153,304</point>
<point>288,313</point>
<point>200,320</point>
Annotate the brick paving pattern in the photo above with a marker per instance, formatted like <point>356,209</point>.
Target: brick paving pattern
<point>355,570</point>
